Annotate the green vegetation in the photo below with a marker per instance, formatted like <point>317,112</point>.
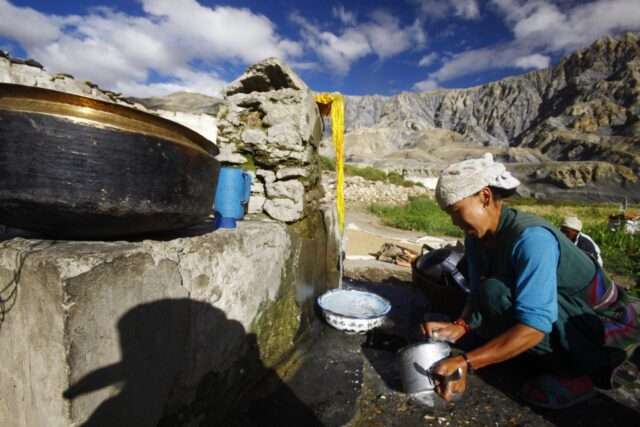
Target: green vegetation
<point>369,173</point>
<point>419,214</point>
<point>250,164</point>
<point>620,251</point>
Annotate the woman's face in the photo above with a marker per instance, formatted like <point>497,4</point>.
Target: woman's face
<point>470,214</point>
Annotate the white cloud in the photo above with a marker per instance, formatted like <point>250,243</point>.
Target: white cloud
<point>382,35</point>
<point>185,81</point>
<point>426,85</point>
<point>388,38</point>
<point>220,32</point>
<point>552,26</point>
<point>27,26</point>
<point>536,61</point>
<point>340,52</point>
<point>119,51</point>
<point>487,59</point>
<point>438,9</point>
<point>344,16</point>
<point>427,60</point>
<point>541,28</point>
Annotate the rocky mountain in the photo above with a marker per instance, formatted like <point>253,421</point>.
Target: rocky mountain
<point>571,130</point>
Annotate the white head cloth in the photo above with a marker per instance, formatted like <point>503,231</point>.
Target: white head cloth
<point>465,178</point>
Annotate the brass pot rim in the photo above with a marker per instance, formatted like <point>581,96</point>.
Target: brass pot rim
<point>99,113</point>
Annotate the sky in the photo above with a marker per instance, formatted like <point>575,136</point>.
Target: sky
<point>367,47</point>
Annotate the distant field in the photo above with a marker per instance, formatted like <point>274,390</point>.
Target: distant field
<point>621,252</point>
<point>369,173</point>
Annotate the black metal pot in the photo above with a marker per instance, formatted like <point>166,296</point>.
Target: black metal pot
<point>72,166</point>
<point>439,275</point>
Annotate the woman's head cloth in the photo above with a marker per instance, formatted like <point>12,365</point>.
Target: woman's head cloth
<point>465,178</point>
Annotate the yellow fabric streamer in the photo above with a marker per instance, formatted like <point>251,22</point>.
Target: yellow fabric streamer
<point>336,102</point>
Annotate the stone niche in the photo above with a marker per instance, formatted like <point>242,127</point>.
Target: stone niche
<point>172,331</point>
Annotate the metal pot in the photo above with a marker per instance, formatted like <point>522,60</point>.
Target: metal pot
<point>416,363</point>
<point>442,267</point>
<point>72,166</point>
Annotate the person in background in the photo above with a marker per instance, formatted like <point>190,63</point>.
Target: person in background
<point>531,291</point>
<point>571,227</point>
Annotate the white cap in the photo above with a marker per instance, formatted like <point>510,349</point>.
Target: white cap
<point>465,178</point>
<point>572,222</point>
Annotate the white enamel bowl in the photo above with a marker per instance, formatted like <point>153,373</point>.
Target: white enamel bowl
<point>353,311</point>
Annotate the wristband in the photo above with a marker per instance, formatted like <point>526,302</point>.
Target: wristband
<point>463,324</point>
<point>470,369</point>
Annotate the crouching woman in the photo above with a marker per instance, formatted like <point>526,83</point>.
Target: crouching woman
<point>532,291</point>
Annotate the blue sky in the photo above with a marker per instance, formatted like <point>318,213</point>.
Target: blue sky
<point>155,47</point>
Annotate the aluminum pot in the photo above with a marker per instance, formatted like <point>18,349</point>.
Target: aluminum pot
<point>416,362</point>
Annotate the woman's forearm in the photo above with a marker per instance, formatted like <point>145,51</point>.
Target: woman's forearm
<point>514,341</point>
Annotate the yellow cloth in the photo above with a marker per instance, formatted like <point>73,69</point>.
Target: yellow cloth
<point>337,129</point>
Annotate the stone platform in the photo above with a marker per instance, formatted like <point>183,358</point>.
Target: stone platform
<point>163,331</point>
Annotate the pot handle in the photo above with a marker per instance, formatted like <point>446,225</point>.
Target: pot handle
<point>445,379</point>
<point>247,187</point>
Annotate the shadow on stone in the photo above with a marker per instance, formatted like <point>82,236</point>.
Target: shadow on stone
<point>327,378</point>
<point>205,227</point>
<point>182,362</point>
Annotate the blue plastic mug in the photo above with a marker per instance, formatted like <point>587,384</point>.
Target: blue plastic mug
<point>232,193</point>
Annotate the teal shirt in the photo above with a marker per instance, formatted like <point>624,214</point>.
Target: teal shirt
<point>535,256</point>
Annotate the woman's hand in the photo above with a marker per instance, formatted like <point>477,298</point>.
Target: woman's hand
<point>445,368</point>
<point>442,329</point>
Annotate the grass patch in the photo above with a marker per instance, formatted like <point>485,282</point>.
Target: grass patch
<point>368,173</point>
<point>620,251</point>
<point>419,214</point>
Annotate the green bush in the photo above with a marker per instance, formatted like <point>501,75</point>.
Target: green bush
<point>397,179</point>
<point>420,214</point>
<point>368,173</point>
<point>620,252</point>
<point>327,164</point>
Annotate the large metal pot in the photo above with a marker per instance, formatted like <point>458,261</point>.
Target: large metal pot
<point>416,362</point>
<point>438,275</point>
<point>72,166</point>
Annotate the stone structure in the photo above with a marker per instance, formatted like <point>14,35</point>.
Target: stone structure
<point>171,330</point>
<point>131,333</point>
<point>268,123</point>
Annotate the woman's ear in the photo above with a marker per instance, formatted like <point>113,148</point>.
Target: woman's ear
<point>486,197</point>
